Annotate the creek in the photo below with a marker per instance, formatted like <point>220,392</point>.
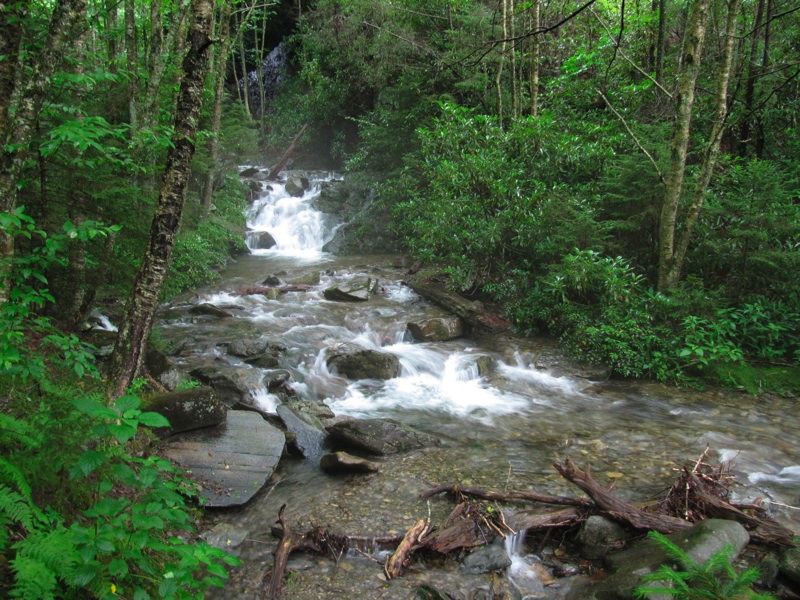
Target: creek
<point>501,430</point>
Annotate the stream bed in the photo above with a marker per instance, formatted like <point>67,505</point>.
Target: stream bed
<point>500,430</point>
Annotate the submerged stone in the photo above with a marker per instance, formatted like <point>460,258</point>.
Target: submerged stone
<point>379,436</point>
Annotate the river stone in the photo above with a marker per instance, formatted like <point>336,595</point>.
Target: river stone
<point>264,240</point>
<point>272,281</point>
<point>598,536</point>
<point>231,461</point>
<point>189,409</point>
<point>437,329</point>
<point>245,348</point>
<point>337,462</point>
<point>306,279</point>
<point>365,364</point>
<point>700,542</point>
<point>249,172</point>
<point>224,536</point>
<point>267,360</point>
<point>379,436</point>
<point>489,559</point>
<point>790,563</point>
<point>296,186</point>
<point>309,432</point>
<point>233,384</point>
<point>210,310</point>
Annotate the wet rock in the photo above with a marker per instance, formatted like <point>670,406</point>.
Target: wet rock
<point>378,436</point>
<point>275,379</point>
<point>296,186</point>
<point>264,240</point>
<point>233,384</point>
<point>231,461</point>
<point>489,559</point>
<point>309,432</point>
<point>189,409</point>
<point>267,360</point>
<point>790,563</point>
<point>598,536</point>
<point>272,281</point>
<point>245,348</point>
<point>337,462</point>
<point>224,536</point>
<point>363,364</point>
<point>156,362</point>
<point>356,292</point>
<point>700,542</point>
<point>249,172</point>
<point>485,364</point>
<point>439,329</point>
<point>210,310</point>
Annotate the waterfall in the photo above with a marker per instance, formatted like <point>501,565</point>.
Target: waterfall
<point>291,222</point>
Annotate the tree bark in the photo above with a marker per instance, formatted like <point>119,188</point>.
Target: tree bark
<point>536,23</point>
<point>222,50</point>
<point>132,54</point>
<point>690,63</point>
<point>126,361</point>
<point>753,73</point>
<point>713,148</point>
<point>23,97</point>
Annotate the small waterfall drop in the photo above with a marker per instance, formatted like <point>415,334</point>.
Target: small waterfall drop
<point>291,222</point>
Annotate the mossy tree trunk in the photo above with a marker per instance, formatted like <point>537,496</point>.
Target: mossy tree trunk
<point>127,359</point>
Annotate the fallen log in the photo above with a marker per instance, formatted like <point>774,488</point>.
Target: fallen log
<point>276,170</point>
<point>458,492</point>
<point>472,312</point>
<point>617,508</point>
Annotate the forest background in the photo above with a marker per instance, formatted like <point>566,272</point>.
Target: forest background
<point>622,175</point>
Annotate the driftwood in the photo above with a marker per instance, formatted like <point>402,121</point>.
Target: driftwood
<point>276,170</point>
<point>290,541</point>
<point>259,289</point>
<point>398,561</point>
<point>456,491</point>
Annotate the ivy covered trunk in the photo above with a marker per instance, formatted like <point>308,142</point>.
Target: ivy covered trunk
<point>126,362</point>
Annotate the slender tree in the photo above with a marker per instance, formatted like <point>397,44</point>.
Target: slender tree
<point>127,359</point>
<point>684,106</point>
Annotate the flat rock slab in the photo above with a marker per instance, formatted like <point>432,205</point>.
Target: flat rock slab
<point>231,461</point>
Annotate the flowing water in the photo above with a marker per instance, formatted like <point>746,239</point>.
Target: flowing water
<point>500,430</point>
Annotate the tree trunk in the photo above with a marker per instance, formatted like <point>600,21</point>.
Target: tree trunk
<point>684,98</point>
<point>23,99</point>
<point>534,56</point>
<point>132,53</point>
<point>713,148</point>
<point>502,61</point>
<point>126,361</point>
<point>753,73</point>
<point>662,28</point>
<point>222,50</point>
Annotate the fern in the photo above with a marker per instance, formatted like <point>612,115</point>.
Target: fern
<point>33,579</point>
<point>11,473</point>
<point>716,579</point>
<point>17,509</point>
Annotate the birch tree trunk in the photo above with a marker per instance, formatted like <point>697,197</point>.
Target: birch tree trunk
<point>684,104</point>
<point>126,361</point>
<point>713,148</point>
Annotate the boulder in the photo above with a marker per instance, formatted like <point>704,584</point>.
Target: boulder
<point>306,279</point>
<point>246,348</point>
<point>359,291</point>
<point>234,385</point>
<point>363,364</point>
<point>210,310</point>
<point>267,360</point>
<point>249,172</point>
<point>338,462</point>
<point>309,432</point>
<point>276,378</point>
<point>263,240</point>
<point>700,542</point>
<point>296,186</point>
<point>598,536</point>
<point>272,281</point>
<point>189,409</point>
<point>378,436</point>
<point>438,329</point>
<point>229,462</point>
<point>488,559</point>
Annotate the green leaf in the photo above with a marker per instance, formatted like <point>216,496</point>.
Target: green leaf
<point>153,419</point>
<point>88,462</point>
<point>147,522</point>
<point>126,403</point>
<point>94,408</point>
<point>118,568</point>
